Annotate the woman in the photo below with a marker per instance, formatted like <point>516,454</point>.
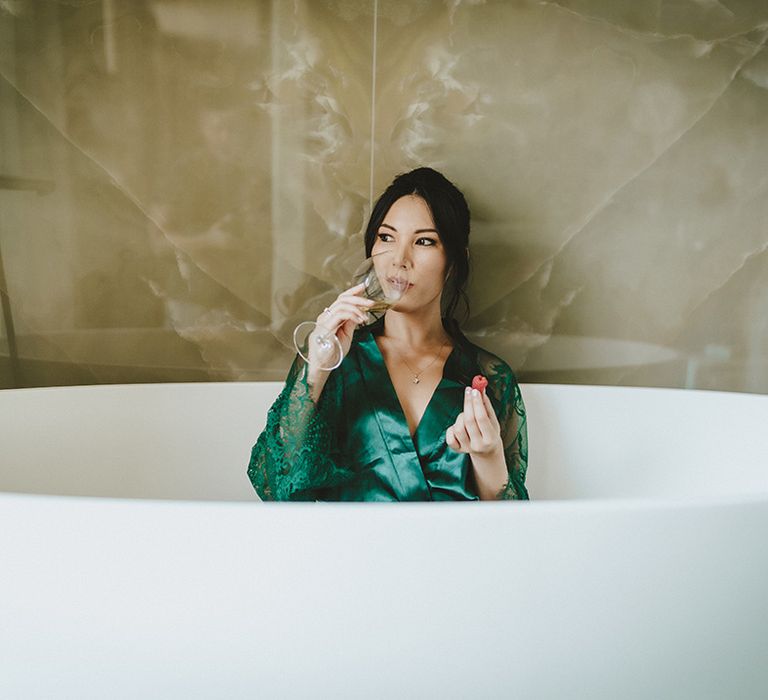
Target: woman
<point>398,419</point>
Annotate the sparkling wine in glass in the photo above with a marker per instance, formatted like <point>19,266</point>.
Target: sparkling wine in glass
<point>385,283</point>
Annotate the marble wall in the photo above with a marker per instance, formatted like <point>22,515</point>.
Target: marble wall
<point>182,180</point>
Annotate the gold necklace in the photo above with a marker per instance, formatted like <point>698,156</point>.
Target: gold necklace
<point>416,375</point>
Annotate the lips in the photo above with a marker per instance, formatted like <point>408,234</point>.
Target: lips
<point>399,283</point>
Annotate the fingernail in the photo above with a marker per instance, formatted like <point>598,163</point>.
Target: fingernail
<point>467,390</point>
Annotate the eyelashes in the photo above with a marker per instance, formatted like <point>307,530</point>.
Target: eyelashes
<point>424,242</point>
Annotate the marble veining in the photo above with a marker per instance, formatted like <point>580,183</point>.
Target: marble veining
<point>212,167</point>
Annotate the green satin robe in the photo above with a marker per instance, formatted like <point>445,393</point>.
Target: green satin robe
<point>355,445</point>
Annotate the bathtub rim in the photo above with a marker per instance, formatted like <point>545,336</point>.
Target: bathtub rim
<point>551,504</point>
<point>251,382</point>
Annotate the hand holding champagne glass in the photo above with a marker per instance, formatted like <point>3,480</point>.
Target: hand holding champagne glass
<point>379,285</point>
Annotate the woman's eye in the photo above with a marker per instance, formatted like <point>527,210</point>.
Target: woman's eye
<point>384,237</point>
<point>426,241</point>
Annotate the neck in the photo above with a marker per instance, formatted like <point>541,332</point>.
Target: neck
<point>421,329</point>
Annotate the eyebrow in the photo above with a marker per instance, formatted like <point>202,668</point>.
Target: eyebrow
<point>420,230</point>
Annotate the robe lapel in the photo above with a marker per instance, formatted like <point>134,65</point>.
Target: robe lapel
<point>393,427</point>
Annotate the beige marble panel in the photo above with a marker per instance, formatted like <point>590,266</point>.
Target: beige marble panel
<point>209,161</point>
<point>615,167</point>
<point>686,244</point>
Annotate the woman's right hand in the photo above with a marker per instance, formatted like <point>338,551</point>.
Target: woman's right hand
<point>343,316</point>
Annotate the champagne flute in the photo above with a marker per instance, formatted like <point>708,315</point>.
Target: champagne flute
<point>383,282</point>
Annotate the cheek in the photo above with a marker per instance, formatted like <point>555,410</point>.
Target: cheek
<point>440,265</point>
<point>433,270</point>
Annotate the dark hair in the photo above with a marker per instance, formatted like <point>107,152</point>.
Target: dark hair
<point>451,216</point>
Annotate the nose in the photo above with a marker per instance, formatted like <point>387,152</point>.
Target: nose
<point>401,258</point>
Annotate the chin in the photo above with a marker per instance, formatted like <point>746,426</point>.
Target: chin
<point>411,306</point>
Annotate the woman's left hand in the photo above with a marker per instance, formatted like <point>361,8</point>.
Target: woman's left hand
<point>476,430</point>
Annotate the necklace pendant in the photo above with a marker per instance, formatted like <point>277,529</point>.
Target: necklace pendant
<point>415,380</point>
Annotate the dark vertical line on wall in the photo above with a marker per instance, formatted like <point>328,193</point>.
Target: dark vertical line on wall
<point>373,101</point>
<point>10,334</point>
<point>10,182</point>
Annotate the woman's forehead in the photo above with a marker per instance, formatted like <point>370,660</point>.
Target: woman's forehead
<point>410,211</point>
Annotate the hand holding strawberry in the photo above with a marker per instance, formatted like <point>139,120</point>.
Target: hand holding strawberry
<point>476,430</point>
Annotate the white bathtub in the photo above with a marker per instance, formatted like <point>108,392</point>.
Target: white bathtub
<point>130,570</point>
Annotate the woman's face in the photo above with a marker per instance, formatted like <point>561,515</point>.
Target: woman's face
<point>408,234</point>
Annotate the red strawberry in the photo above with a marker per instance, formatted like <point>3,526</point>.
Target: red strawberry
<point>479,382</point>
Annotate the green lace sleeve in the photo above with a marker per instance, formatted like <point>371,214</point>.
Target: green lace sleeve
<point>297,453</point>
<point>504,389</point>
